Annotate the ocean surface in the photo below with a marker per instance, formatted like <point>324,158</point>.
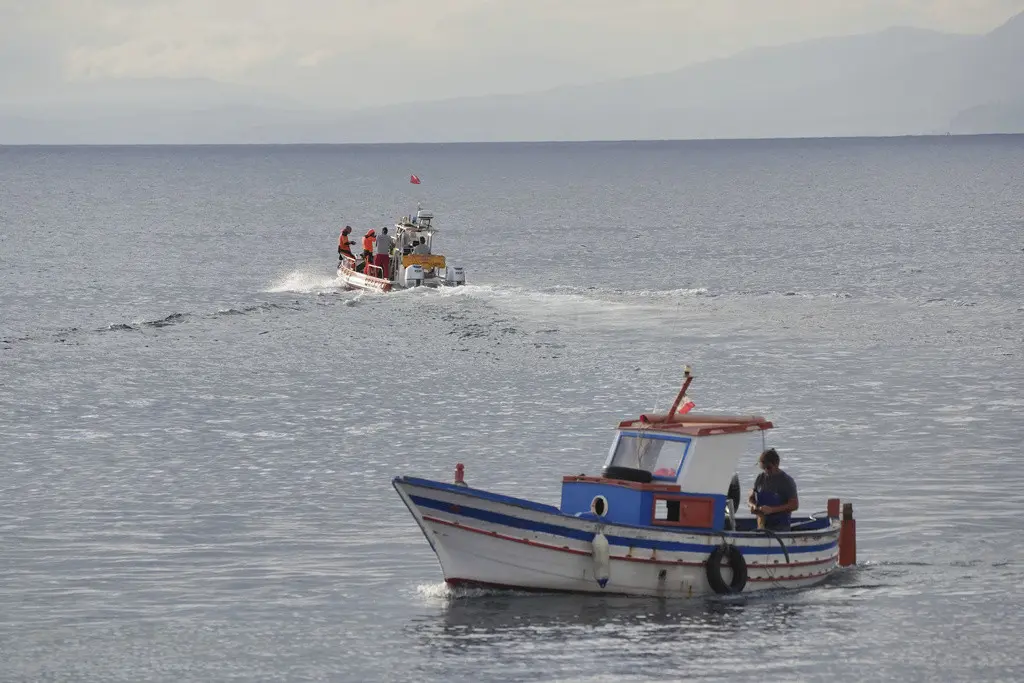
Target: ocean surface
<point>199,427</point>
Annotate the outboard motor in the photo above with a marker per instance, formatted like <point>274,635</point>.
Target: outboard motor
<point>454,275</point>
<point>412,276</point>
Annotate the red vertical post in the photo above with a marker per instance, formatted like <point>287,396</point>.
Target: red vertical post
<point>847,537</point>
<point>460,474</point>
<point>833,508</point>
<point>682,392</point>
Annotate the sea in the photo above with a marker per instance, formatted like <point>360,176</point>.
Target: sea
<point>199,425</point>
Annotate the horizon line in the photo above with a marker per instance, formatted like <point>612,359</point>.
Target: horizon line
<point>510,142</point>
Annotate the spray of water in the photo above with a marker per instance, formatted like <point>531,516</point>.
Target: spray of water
<point>306,280</point>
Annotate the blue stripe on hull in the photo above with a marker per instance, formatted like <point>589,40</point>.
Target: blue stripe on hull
<point>477,493</point>
<point>579,535</point>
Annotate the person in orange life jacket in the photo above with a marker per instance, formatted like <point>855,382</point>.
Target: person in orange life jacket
<point>774,495</point>
<point>382,253</point>
<point>345,244</point>
<point>368,240</point>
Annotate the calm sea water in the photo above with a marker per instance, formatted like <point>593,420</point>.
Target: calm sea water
<point>199,427</point>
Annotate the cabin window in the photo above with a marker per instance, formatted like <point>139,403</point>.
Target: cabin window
<point>660,455</point>
<point>691,511</point>
<point>666,510</point>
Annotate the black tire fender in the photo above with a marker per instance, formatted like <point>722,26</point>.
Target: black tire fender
<point>713,569</point>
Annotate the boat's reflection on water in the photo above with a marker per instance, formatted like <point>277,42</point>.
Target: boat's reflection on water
<point>489,625</point>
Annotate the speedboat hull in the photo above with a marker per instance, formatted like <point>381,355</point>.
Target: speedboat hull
<point>356,280</point>
<point>353,279</point>
<point>487,539</point>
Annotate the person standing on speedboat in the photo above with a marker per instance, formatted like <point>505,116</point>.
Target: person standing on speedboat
<point>368,240</point>
<point>382,253</point>
<point>345,245</point>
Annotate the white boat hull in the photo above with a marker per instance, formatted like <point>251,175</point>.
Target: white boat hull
<point>486,539</point>
<point>356,280</point>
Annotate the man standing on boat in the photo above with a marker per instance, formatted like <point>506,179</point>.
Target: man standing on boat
<point>774,495</point>
<point>368,240</point>
<point>382,253</point>
<point>345,245</point>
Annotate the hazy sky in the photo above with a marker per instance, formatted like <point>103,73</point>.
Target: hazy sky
<point>372,51</point>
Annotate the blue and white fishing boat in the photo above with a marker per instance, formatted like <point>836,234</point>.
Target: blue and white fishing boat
<point>660,520</point>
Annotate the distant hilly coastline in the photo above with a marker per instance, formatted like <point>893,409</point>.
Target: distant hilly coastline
<point>897,82</point>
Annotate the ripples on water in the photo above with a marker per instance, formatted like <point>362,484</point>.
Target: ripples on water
<point>200,428</point>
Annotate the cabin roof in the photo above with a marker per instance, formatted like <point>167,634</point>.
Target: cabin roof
<point>409,227</point>
<point>698,425</point>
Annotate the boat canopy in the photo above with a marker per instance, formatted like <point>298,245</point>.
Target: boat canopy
<point>698,425</point>
<point>699,453</point>
<point>420,222</point>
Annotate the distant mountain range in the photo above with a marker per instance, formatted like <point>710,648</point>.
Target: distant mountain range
<point>898,82</point>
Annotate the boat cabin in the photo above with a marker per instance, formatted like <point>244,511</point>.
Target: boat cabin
<point>408,232</point>
<point>411,228</point>
<point>665,470</point>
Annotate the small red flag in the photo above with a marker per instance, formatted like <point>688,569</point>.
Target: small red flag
<point>686,406</point>
<point>414,179</point>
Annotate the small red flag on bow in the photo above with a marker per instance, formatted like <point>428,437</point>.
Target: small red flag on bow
<point>414,179</point>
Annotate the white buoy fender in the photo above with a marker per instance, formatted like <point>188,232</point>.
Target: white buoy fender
<point>602,559</point>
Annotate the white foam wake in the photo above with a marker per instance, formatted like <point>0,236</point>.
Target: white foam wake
<point>578,300</point>
<point>306,280</point>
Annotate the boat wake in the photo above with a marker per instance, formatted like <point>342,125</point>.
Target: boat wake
<point>585,305</point>
<point>142,325</point>
<point>653,298</point>
<point>306,281</point>
<point>577,294</point>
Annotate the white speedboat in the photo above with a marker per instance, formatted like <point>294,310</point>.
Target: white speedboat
<point>411,264</point>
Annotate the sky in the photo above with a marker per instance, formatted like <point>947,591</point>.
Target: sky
<point>356,53</point>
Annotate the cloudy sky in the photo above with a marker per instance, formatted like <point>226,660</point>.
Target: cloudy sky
<point>365,52</point>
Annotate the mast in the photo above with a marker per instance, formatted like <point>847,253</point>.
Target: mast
<point>682,392</point>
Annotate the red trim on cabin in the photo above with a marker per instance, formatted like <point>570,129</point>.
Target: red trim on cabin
<point>698,425</point>
<point>667,488</point>
<point>696,512</point>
